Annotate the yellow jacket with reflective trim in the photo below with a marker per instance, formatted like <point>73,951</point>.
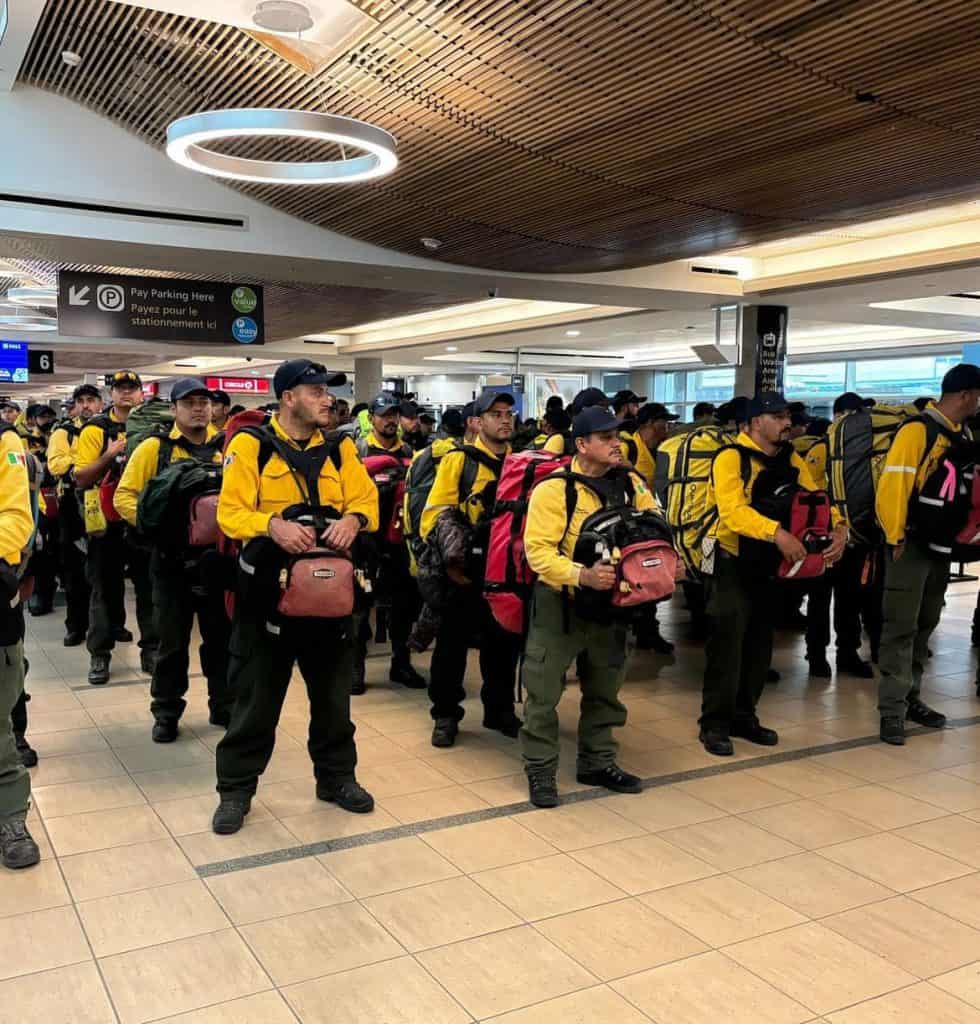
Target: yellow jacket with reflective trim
<point>644,464</point>
<point>141,467</point>
<point>16,517</point>
<point>550,539</point>
<point>249,500</point>
<point>445,488</point>
<point>732,495</point>
<point>907,467</point>
<point>91,442</point>
<point>62,449</point>
<point>816,461</point>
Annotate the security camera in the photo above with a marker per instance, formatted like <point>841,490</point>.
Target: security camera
<point>492,293</point>
<point>248,359</point>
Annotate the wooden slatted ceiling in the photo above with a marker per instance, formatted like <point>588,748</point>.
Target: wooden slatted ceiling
<point>561,135</point>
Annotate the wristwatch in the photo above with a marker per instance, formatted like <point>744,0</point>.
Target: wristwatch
<point>361,518</point>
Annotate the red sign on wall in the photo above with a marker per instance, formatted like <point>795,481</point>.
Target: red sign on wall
<point>239,385</point>
<point>151,388</point>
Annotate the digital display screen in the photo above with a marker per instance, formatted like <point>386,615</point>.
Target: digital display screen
<point>13,362</point>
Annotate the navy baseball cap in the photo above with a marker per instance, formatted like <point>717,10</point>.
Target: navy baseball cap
<point>962,377</point>
<point>653,411</point>
<point>468,410</point>
<point>85,389</point>
<point>304,371</point>
<point>850,401</point>
<point>626,397</point>
<point>557,418</point>
<point>766,403</point>
<point>483,403</point>
<point>593,420</point>
<point>184,387</point>
<point>382,403</point>
<point>221,397</point>
<point>588,398</point>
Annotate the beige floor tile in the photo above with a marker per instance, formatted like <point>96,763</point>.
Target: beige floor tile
<point>818,968</point>
<point>914,937</point>
<point>574,826</point>
<point>894,861</point>
<point>866,763</point>
<point>59,721</point>
<point>592,1005</point>
<point>81,797</point>
<point>663,807</point>
<point>942,789</point>
<point>333,823</point>
<point>721,910</point>
<point>71,741</point>
<point>385,867</point>
<point>276,890</point>
<point>482,845</point>
<point>963,983</point>
<point>45,939</point>
<point>174,783</point>
<point>39,888</point>
<point>126,869</point>
<point>193,814</point>
<point>879,807</point>
<point>289,799</point>
<point>735,792</point>
<point>98,830</point>
<point>397,778</point>
<point>959,898</point>
<point>261,837</point>
<point>56,771</point>
<point>318,942</point>
<point>969,771</point>
<point>395,992</point>
<point>181,976</point>
<point>117,924</point>
<point>955,837</point>
<point>433,803</point>
<point>729,843</point>
<point>440,913</point>
<point>66,995</point>
<point>808,824</point>
<point>263,1008</point>
<point>504,971</point>
<point>148,757</point>
<point>619,938</point>
<point>644,863</point>
<point>510,789</point>
<point>813,885</point>
<point>464,765</point>
<point>692,991</point>
<point>918,1004</point>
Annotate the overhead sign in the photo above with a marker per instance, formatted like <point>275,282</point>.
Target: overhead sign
<point>239,385</point>
<point>159,309</point>
<point>40,360</point>
<point>13,362</point>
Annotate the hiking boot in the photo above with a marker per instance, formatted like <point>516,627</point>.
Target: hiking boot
<point>28,755</point>
<point>854,665</point>
<point>73,639</point>
<point>819,666</point>
<point>717,742</point>
<point>654,641</point>
<point>220,717</point>
<point>755,733</point>
<point>165,730</point>
<point>922,714</point>
<point>39,606</point>
<point>444,732</point>
<point>542,787</point>
<point>98,670</point>
<point>148,660</point>
<point>892,731</point>
<point>611,777</point>
<point>122,635</point>
<point>404,673</point>
<point>509,725</point>
<point>231,812</point>
<point>357,683</point>
<point>346,793</point>
<point>772,676</point>
<point>17,846</point>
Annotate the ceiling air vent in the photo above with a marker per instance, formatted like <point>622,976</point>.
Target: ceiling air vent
<point>166,216</point>
<point>697,268</point>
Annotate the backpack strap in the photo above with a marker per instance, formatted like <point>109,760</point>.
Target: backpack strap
<point>474,458</point>
<point>632,450</point>
<point>304,465</point>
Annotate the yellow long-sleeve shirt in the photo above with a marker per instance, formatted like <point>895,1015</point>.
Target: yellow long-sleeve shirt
<point>445,491</point>
<point>62,447</point>
<point>249,499</point>
<point>16,518</point>
<point>644,463</point>
<point>907,467</point>
<point>141,467</point>
<point>550,539</point>
<point>92,442</point>
<point>732,495</point>
<point>816,462</point>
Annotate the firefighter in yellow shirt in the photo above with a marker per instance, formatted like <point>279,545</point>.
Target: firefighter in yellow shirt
<point>916,573</point>
<point>467,621</point>
<point>17,848</point>
<point>556,435</point>
<point>179,588</point>
<point>741,605</point>
<point>558,635</point>
<point>258,499</point>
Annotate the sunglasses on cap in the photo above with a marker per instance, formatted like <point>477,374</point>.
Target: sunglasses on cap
<point>123,379</point>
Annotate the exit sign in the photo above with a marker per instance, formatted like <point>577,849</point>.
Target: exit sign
<point>239,385</point>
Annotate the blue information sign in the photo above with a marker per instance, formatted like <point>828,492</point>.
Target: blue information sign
<point>13,362</point>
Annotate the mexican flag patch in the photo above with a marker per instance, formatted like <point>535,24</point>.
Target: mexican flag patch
<point>16,459</point>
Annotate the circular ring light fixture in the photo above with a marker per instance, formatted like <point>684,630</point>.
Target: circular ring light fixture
<point>33,296</point>
<point>29,323</point>
<point>187,136</point>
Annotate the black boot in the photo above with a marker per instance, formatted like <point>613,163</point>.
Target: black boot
<point>73,639</point>
<point>346,793</point>
<point>122,635</point>
<point>148,660</point>
<point>402,671</point>
<point>165,730</point>
<point>98,672</point>
<point>611,777</point>
<point>231,812</point>
<point>853,665</point>
<point>444,732</point>
<point>542,787</point>
<point>819,666</point>
<point>357,683</point>
<point>892,731</point>
<point>17,846</point>
<point>28,755</point>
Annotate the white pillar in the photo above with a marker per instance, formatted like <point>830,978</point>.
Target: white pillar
<point>368,376</point>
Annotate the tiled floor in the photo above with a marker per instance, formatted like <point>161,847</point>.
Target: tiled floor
<point>842,886</point>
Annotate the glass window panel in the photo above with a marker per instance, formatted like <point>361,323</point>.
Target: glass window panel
<point>904,377</point>
<point>710,385</point>
<point>810,382</point>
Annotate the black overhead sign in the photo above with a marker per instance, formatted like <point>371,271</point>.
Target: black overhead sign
<point>40,360</point>
<point>159,309</point>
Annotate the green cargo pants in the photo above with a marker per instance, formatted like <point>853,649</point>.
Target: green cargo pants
<point>602,666</point>
<point>15,782</point>
<point>914,589</point>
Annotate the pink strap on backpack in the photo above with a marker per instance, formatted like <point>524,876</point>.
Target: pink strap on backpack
<point>948,490</point>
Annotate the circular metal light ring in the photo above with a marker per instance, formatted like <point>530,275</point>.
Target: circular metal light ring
<point>29,323</point>
<point>186,138</point>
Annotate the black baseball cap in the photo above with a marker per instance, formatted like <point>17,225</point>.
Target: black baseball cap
<point>555,402</point>
<point>9,403</point>
<point>85,389</point>
<point>452,422</point>
<point>426,417</point>
<point>557,418</point>
<point>850,401</point>
<point>304,371</point>
<point>221,397</point>
<point>483,403</point>
<point>653,411</point>
<point>766,403</point>
<point>43,410</point>
<point>124,379</point>
<point>468,410</point>
<point>383,402</point>
<point>962,377</point>
<point>588,398</point>
<point>184,387</point>
<point>622,398</point>
<point>408,409</point>
<point>593,420</point>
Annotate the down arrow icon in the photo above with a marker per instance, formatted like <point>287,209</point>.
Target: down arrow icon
<point>78,296</point>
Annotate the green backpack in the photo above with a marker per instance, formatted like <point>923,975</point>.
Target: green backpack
<point>147,419</point>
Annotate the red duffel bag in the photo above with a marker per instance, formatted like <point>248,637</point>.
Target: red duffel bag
<point>318,584</point>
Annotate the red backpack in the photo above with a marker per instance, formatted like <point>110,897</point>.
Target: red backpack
<point>388,473</point>
<point>809,522</point>
<point>509,580</point>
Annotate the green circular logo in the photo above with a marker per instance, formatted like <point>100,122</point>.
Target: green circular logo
<point>244,299</point>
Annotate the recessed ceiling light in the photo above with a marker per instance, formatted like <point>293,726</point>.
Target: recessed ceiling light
<point>572,334</point>
<point>452,348</point>
<point>431,243</point>
<point>71,58</point>
<point>283,16</point>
